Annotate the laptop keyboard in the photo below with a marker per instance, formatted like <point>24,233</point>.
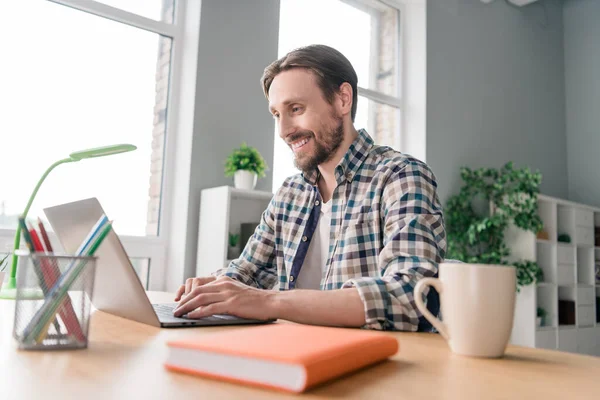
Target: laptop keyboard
<point>165,313</point>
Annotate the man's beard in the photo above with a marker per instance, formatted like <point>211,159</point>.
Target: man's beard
<point>323,151</point>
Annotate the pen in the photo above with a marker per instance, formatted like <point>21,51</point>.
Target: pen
<point>36,266</point>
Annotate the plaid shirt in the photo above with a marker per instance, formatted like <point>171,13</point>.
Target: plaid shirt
<point>387,232</point>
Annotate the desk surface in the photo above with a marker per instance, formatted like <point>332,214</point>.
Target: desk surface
<point>125,360</point>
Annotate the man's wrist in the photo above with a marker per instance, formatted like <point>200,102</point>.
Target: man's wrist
<point>274,303</point>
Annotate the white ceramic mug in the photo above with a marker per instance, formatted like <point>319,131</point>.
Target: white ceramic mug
<point>477,307</point>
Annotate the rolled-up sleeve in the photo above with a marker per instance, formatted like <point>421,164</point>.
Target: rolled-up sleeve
<point>414,243</point>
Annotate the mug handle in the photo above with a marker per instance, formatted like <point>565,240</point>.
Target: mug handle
<point>421,285</point>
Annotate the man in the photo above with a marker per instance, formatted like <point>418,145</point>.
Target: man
<point>351,234</point>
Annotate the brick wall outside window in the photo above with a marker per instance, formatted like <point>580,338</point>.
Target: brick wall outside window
<point>387,127</point>
<point>160,119</point>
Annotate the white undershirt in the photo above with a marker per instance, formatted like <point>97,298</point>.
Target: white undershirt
<point>316,257</point>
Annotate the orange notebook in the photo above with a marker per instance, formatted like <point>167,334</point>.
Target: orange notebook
<point>288,357</point>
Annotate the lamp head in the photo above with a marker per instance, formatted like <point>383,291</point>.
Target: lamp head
<point>101,151</point>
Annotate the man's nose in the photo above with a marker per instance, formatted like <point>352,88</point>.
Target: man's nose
<point>285,127</point>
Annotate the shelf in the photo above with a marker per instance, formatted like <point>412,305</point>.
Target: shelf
<point>546,284</point>
<point>586,246</point>
<point>224,210</point>
<point>562,202</point>
<point>545,328</point>
<point>567,327</point>
<point>569,276</point>
<point>585,285</point>
<point>564,244</point>
<point>250,194</point>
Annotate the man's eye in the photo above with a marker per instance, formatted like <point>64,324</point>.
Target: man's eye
<point>295,109</point>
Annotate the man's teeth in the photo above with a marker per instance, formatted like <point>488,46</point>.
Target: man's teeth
<point>299,144</point>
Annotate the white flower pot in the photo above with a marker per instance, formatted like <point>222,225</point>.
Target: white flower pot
<point>244,180</point>
<point>539,321</point>
<point>233,252</point>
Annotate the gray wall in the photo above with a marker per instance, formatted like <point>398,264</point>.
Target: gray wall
<point>495,90</point>
<point>582,63</point>
<point>238,39</point>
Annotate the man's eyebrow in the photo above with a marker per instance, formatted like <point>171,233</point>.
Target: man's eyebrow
<point>287,102</point>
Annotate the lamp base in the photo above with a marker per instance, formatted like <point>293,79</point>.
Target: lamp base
<point>9,292</point>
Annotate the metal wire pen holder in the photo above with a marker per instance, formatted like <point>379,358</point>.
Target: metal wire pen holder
<point>53,301</point>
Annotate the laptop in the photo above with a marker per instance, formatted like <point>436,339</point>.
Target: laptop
<point>117,288</point>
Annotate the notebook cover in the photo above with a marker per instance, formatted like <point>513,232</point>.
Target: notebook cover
<point>324,352</point>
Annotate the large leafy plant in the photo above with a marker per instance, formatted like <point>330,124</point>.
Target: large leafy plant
<point>504,196</point>
<point>245,158</point>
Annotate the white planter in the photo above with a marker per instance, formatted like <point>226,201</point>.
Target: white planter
<point>244,180</point>
<point>538,320</point>
<point>233,252</point>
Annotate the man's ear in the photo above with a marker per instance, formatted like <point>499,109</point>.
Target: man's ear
<point>345,98</point>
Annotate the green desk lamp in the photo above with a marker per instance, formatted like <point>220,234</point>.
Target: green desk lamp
<point>9,290</point>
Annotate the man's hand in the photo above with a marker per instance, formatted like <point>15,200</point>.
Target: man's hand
<point>225,296</point>
<point>191,284</point>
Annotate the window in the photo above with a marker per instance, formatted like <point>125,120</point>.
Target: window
<point>82,75</point>
<point>367,33</point>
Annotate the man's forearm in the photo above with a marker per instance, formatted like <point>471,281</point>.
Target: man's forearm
<point>342,307</point>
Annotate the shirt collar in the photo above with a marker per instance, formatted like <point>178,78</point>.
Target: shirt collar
<point>350,163</point>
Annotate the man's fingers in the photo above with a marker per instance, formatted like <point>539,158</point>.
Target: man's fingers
<point>205,282</point>
<point>180,291</point>
<point>192,283</point>
<point>201,300</point>
<point>217,287</point>
<point>211,309</point>
<point>201,281</point>
<point>188,285</point>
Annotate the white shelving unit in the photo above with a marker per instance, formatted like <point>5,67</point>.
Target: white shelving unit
<point>222,211</point>
<point>569,275</point>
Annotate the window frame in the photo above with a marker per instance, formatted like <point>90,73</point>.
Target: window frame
<point>375,95</point>
<point>183,32</point>
<point>400,69</point>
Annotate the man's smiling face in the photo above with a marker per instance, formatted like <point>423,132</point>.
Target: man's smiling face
<point>306,121</point>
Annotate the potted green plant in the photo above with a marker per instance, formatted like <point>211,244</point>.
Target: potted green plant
<point>246,165</point>
<point>233,250</point>
<point>490,203</point>
<point>541,316</point>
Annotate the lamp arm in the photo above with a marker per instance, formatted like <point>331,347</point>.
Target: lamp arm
<point>13,269</point>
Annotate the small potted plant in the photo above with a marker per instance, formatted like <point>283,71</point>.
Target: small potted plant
<point>541,316</point>
<point>246,165</point>
<point>234,246</point>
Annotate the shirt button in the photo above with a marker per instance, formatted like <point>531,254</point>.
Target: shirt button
<point>291,278</point>
<point>349,176</point>
<point>304,238</point>
<point>317,203</point>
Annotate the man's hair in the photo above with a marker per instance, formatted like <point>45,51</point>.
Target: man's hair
<point>330,67</point>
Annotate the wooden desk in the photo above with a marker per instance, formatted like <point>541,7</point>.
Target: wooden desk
<point>125,360</point>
